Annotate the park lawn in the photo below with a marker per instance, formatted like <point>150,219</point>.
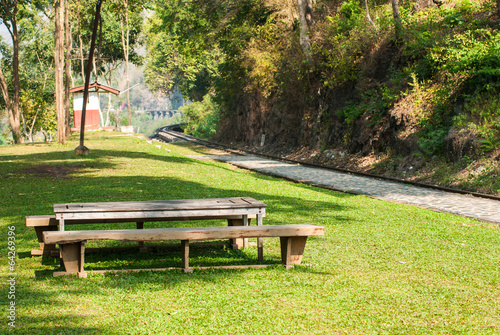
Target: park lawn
<point>381,268</point>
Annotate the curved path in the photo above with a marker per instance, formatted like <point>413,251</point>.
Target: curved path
<point>465,205</point>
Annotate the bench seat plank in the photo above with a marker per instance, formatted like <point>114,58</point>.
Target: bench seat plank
<point>196,233</point>
<point>72,243</point>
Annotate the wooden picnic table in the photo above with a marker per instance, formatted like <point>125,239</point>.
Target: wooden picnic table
<point>159,210</point>
<point>237,211</point>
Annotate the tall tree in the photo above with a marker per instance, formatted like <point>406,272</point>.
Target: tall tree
<point>59,69</point>
<point>36,71</point>
<point>67,67</point>
<point>9,16</point>
<point>369,17</point>
<point>125,29</point>
<point>130,23</point>
<point>306,22</point>
<point>397,18</point>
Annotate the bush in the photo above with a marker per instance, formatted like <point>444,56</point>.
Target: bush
<point>202,118</point>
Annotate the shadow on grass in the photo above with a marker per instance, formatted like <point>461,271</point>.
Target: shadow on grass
<point>32,319</point>
<point>280,210</point>
<point>26,195</point>
<point>159,256</point>
<point>96,159</point>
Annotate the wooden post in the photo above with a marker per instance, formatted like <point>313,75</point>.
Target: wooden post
<point>142,248</point>
<point>236,243</point>
<point>73,259</point>
<point>246,222</point>
<point>60,220</point>
<point>185,256</point>
<point>260,241</point>
<point>45,249</point>
<point>292,249</point>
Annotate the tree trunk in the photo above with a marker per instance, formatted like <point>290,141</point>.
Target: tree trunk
<point>15,124</point>
<point>12,103</point>
<point>59,65</point>
<point>126,52</point>
<point>304,31</point>
<point>67,67</point>
<point>369,17</point>
<point>82,61</point>
<point>13,119</point>
<point>397,19</point>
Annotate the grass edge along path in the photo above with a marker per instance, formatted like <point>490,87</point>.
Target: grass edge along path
<point>381,268</point>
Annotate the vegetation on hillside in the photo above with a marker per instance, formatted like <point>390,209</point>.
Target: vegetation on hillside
<point>404,80</point>
<point>423,86</point>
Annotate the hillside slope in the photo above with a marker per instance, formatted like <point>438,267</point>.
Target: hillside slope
<point>423,107</point>
<point>411,93</point>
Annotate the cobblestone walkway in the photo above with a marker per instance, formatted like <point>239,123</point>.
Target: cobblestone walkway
<point>482,209</point>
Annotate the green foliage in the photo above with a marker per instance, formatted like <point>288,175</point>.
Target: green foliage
<point>348,38</point>
<point>454,19</point>
<point>482,116</point>
<point>474,54</point>
<point>196,44</point>
<point>248,55</point>
<point>109,41</point>
<point>201,118</point>
<point>35,71</point>
<point>432,140</point>
<point>38,112</point>
<point>374,104</point>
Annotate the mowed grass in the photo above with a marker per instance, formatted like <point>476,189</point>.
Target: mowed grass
<point>381,268</point>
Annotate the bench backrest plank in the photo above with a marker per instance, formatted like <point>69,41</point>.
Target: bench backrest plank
<point>196,233</point>
<point>50,220</point>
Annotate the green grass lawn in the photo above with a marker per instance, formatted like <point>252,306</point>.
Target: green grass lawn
<point>381,268</point>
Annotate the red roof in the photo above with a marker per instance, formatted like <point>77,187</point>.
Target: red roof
<point>95,87</point>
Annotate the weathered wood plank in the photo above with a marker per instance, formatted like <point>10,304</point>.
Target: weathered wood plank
<point>72,256</point>
<point>185,256</point>
<point>159,215</point>
<point>50,220</point>
<point>45,249</point>
<point>195,233</point>
<point>160,205</point>
<point>41,220</point>
<point>292,249</point>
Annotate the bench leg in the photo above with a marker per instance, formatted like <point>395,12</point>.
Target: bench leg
<point>292,249</point>
<point>142,248</point>
<point>185,256</point>
<point>260,241</point>
<point>238,243</point>
<point>45,249</point>
<point>73,258</point>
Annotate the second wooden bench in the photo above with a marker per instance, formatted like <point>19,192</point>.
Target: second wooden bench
<point>72,243</point>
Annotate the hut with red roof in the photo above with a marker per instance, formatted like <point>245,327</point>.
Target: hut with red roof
<point>92,114</point>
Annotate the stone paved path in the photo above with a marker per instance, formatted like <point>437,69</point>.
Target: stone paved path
<point>482,209</point>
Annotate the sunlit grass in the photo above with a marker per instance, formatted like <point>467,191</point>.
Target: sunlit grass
<point>381,268</point>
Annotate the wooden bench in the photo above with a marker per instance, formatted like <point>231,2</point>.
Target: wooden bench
<point>42,223</point>
<point>237,211</point>
<point>72,243</point>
